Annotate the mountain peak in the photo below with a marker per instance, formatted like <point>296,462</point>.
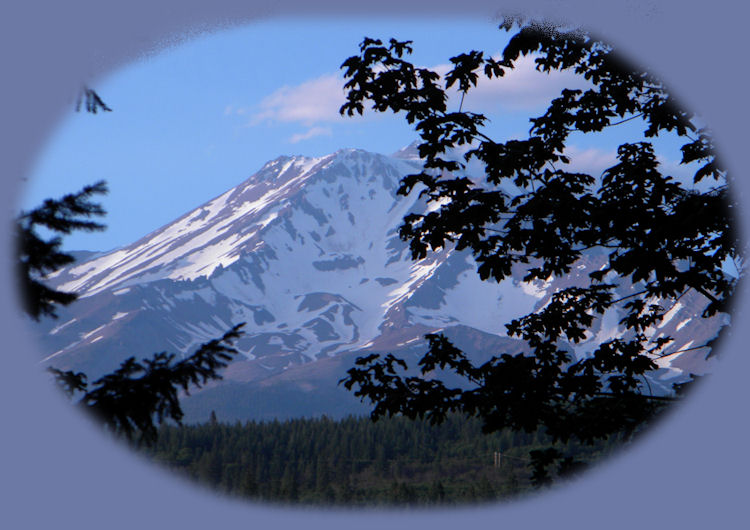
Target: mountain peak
<point>307,252</point>
<point>410,152</point>
<point>342,187</point>
<point>285,166</point>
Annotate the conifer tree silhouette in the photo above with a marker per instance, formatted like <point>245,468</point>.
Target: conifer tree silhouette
<point>131,400</point>
<point>38,257</point>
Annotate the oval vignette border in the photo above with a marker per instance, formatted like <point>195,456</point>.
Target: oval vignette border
<point>58,472</point>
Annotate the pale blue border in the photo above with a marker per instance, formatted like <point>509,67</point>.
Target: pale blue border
<point>56,472</point>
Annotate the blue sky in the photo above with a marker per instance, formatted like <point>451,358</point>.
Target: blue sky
<point>194,120</point>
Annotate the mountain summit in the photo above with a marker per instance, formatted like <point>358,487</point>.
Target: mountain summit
<point>306,251</point>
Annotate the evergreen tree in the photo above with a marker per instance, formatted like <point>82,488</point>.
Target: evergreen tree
<point>437,492</point>
<point>38,257</point>
<point>249,486</point>
<point>129,400</point>
<point>659,236</point>
<point>255,460</point>
<point>289,484</point>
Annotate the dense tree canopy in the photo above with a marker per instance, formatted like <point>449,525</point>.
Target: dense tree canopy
<point>355,462</point>
<point>661,238</point>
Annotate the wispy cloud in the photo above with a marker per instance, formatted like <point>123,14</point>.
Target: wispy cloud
<point>594,161</point>
<point>230,110</point>
<point>315,101</point>
<point>683,173</point>
<point>591,160</point>
<point>310,133</point>
<point>523,88</point>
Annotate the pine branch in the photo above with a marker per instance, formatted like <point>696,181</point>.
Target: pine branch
<point>37,257</point>
<point>136,396</point>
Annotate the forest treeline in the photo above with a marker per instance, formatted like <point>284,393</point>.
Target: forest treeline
<point>357,462</point>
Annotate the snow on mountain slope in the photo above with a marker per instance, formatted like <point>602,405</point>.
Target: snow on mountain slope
<point>306,251</point>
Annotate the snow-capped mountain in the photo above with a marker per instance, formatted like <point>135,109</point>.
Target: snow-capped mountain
<point>306,252</point>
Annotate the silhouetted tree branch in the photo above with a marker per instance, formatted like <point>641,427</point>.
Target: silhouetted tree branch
<point>38,256</point>
<point>137,396</point>
<point>131,400</point>
<point>660,238</point>
<point>90,101</point>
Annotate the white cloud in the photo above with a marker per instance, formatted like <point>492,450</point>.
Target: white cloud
<point>315,101</point>
<point>318,100</point>
<point>310,133</point>
<point>592,161</point>
<point>239,111</point>
<point>522,88</point>
<point>684,173</point>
